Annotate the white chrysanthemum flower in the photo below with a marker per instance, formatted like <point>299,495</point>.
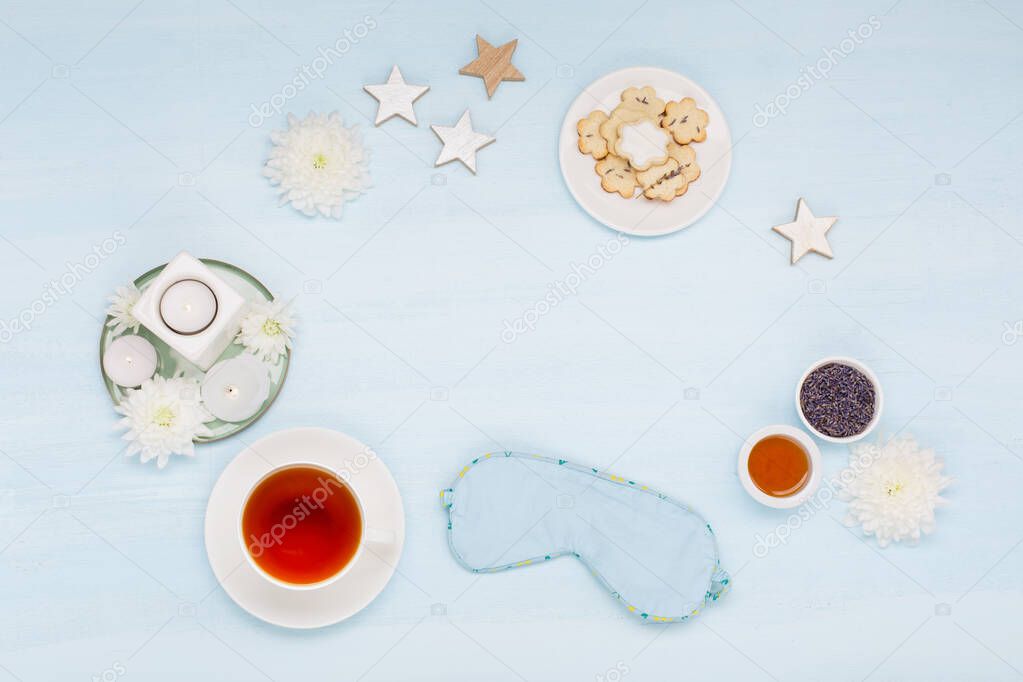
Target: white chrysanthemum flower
<point>318,164</point>
<point>266,330</point>
<point>122,303</point>
<point>163,417</point>
<point>892,489</point>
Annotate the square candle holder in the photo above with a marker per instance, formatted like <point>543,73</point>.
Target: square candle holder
<point>204,347</point>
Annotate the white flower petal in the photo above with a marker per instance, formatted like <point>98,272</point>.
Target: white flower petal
<point>892,490</point>
<point>162,418</point>
<point>318,163</point>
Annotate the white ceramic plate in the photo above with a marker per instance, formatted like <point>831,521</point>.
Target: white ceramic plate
<point>171,364</point>
<point>353,591</point>
<point>640,216</point>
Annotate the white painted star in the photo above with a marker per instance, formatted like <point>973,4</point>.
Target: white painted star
<point>396,97</point>
<point>461,142</point>
<point>807,232</point>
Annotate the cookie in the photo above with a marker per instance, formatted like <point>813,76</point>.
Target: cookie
<point>686,157</point>
<point>636,158</point>
<point>671,179</point>
<point>616,175</point>
<point>610,128</point>
<point>654,174</point>
<point>643,99</point>
<point>685,122</point>
<point>643,143</point>
<point>590,140</point>
<point>672,185</point>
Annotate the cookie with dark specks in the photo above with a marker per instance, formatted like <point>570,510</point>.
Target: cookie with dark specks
<point>616,175</point>
<point>685,122</point>
<point>643,99</point>
<point>652,175</point>
<point>611,128</point>
<point>590,140</point>
<point>686,157</point>
<point>665,177</point>
<point>669,186</point>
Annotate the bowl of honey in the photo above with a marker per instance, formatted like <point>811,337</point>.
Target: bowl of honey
<point>780,466</point>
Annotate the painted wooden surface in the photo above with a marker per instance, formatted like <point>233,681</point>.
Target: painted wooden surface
<point>140,122</point>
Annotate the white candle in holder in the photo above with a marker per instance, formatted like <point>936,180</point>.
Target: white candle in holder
<point>188,306</point>
<point>235,389</point>
<point>129,360</point>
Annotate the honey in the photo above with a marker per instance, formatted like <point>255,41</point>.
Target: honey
<point>779,466</point>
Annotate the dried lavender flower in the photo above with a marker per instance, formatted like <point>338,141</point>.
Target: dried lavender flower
<point>837,400</point>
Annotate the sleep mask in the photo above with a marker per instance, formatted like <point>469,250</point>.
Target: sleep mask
<point>652,553</point>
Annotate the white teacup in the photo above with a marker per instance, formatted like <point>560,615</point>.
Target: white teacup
<point>368,536</point>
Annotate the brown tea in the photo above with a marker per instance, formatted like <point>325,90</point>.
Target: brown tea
<point>302,525</point>
<point>779,466</point>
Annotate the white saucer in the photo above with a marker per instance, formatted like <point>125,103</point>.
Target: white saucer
<point>364,580</point>
<point>640,216</point>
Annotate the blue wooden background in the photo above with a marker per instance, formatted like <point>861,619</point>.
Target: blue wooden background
<point>135,118</point>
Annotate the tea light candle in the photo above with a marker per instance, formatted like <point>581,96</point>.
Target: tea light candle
<point>129,360</point>
<point>192,309</point>
<point>188,306</point>
<point>235,389</point>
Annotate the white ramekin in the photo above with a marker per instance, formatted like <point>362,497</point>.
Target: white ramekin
<point>804,441</point>
<point>867,372</point>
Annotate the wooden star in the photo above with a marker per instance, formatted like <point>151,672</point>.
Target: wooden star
<point>493,64</point>
<point>807,232</point>
<point>396,97</point>
<point>460,142</point>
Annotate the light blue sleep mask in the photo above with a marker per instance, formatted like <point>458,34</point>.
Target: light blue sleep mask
<point>653,554</point>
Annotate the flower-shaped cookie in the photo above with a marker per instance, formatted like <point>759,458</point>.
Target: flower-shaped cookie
<point>686,158</point>
<point>670,179</point>
<point>668,188</point>
<point>643,99</point>
<point>616,175</point>
<point>590,140</point>
<point>643,144</point>
<point>610,128</point>
<point>664,186</point>
<point>685,122</point>
<point>656,174</point>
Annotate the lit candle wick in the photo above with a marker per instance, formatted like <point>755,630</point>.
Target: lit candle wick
<point>188,307</point>
<point>129,360</point>
<point>234,390</point>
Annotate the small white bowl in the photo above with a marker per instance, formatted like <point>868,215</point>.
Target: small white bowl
<point>801,439</point>
<point>867,372</point>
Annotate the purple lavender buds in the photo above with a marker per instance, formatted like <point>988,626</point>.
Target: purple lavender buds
<point>837,400</point>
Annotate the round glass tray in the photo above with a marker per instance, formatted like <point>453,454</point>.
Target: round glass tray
<point>171,363</point>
